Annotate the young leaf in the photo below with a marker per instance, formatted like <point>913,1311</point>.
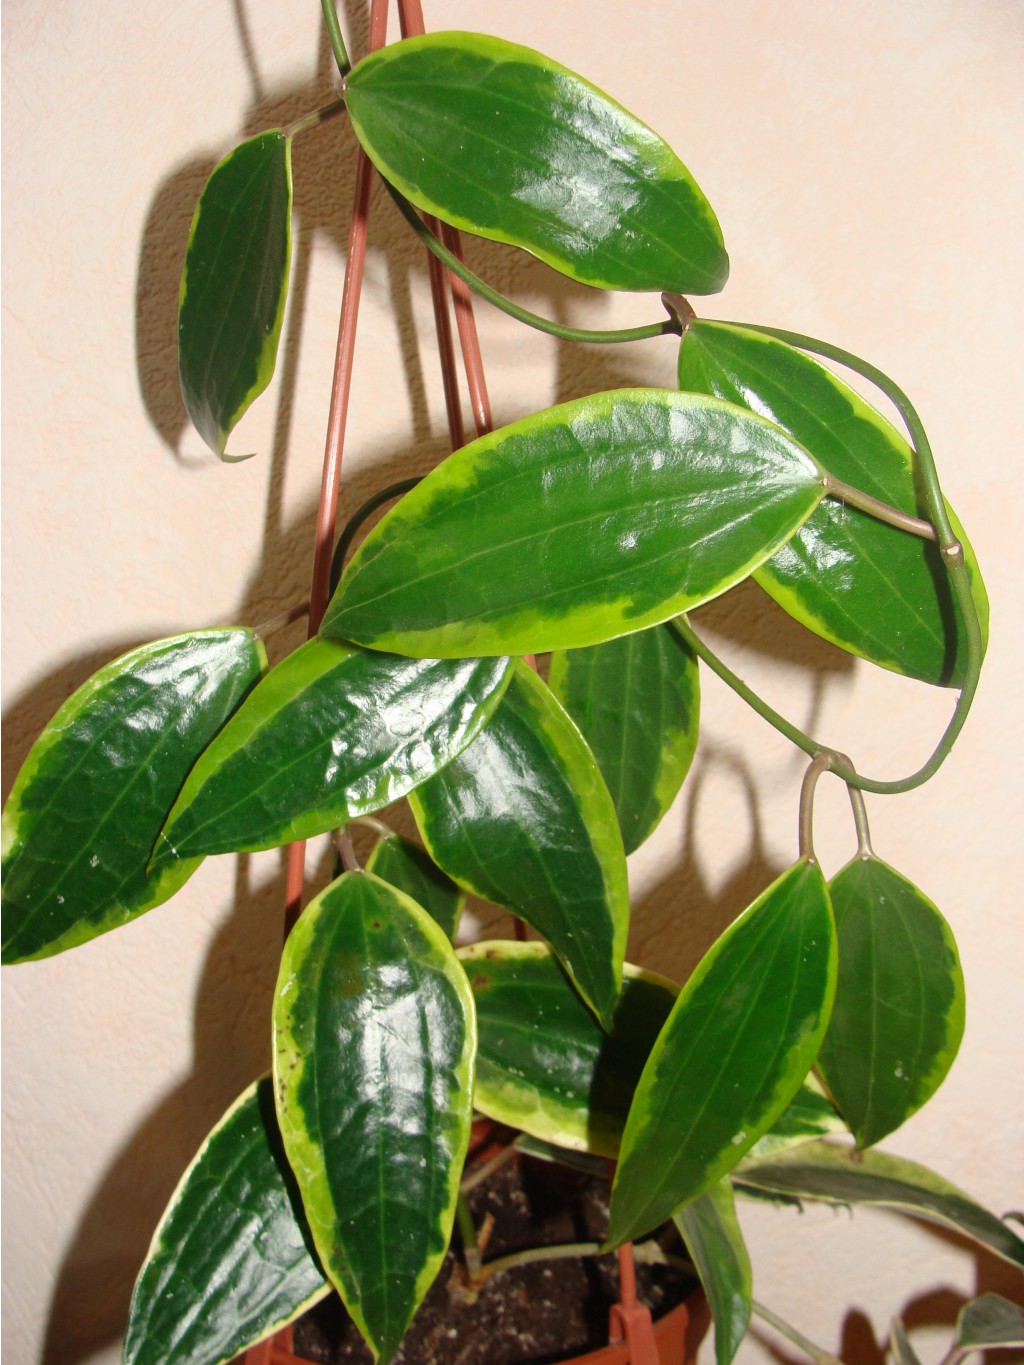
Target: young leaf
<point>505,143</point>
<point>233,286</point>
<point>576,525</point>
<point>403,864</point>
<point>713,1238</point>
<point>636,701</point>
<point>232,1259</point>
<point>899,1343</point>
<point>844,1175</point>
<point>742,1036</point>
<point>989,1321</point>
<point>898,1015</point>
<point>544,1064</point>
<point>86,808</point>
<point>374,1037</point>
<point>523,818</point>
<point>868,587</point>
<point>332,732</point>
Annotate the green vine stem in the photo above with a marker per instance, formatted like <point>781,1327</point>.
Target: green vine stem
<point>816,1353</point>
<point>313,120</point>
<point>668,326</point>
<point>393,490</point>
<point>470,1246</point>
<point>881,511</point>
<point>336,40</point>
<point>819,764</point>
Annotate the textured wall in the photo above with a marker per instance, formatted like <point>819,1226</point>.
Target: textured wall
<point>864,161</point>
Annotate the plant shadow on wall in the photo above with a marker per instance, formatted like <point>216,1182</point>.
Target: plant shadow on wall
<point>587,531</point>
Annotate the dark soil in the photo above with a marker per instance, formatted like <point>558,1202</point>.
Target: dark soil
<point>529,1315</point>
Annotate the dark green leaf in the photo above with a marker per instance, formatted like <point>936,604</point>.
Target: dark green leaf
<point>713,1238</point>
<point>93,794</point>
<point>332,732</point>
<point>544,1064</point>
<point>523,818</point>
<point>866,586</point>
<point>898,1015</point>
<point>844,1175</point>
<point>374,1039</point>
<point>576,525</point>
<point>636,701</point>
<point>401,863</point>
<point>231,1261</point>
<point>234,284</point>
<point>509,145</point>
<point>989,1321</point>
<point>742,1036</point>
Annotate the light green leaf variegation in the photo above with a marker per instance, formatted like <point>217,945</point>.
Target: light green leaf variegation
<point>234,284</point>
<point>636,701</point>
<point>523,818</point>
<point>844,1175</point>
<point>742,1036</point>
<point>710,1229</point>
<point>374,1038</point>
<point>544,1064</point>
<point>505,143</point>
<point>872,589</point>
<point>232,1260</point>
<point>576,525</point>
<point>332,732</point>
<point>86,809</point>
<point>898,1015</point>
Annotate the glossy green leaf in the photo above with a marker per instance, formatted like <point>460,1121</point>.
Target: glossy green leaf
<point>374,1037</point>
<point>401,863</point>
<point>544,1064</point>
<point>989,1321</point>
<point>576,525</point>
<point>844,1175</point>
<point>636,701</point>
<point>710,1229</point>
<point>92,796</point>
<point>332,732</point>
<point>232,1260</point>
<point>741,1038</point>
<point>809,1114</point>
<point>898,1015</point>
<point>234,284</point>
<point>507,144</point>
<point>523,818</point>
<point>874,590</point>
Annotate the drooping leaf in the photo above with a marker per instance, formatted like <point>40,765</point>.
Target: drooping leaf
<point>87,806</point>
<point>576,525</point>
<point>332,732</point>
<point>544,1063</point>
<point>898,1015</point>
<point>507,144</point>
<point>401,863</point>
<point>234,284</point>
<point>232,1260</point>
<point>710,1229</point>
<point>989,1321</point>
<point>844,1175</point>
<point>741,1037</point>
<point>874,590</point>
<point>636,701</point>
<point>374,1037</point>
<point>523,818</point>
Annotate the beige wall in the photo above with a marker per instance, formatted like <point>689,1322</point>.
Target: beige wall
<point>864,159</point>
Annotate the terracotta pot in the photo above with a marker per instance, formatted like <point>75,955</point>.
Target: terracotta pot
<point>677,1336</point>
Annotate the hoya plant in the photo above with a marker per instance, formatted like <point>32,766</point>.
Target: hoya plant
<point>510,650</point>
